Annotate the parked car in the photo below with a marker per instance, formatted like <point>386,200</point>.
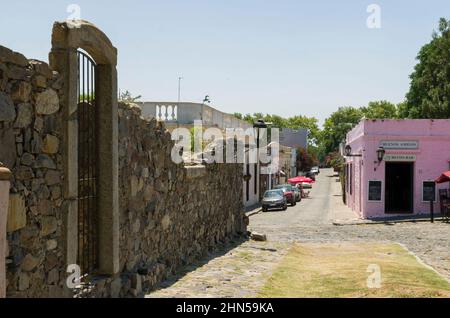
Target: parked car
<point>274,199</point>
<point>288,193</point>
<point>307,185</point>
<point>315,170</point>
<point>310,175</point>
<point>298,194</point>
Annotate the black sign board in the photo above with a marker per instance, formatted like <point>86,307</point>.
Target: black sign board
<point>375,190</point>
<point>429,191</point>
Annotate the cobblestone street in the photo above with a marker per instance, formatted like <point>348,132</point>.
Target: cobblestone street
<point>239,272</point>
<point>242,270</point>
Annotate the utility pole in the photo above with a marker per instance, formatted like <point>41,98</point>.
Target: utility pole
<point>179,89</point>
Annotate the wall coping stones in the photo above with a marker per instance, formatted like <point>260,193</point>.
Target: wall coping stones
<point>9,56</point>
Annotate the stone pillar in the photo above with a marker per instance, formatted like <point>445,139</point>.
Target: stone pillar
<point>108,170</point>
<point>5,176</point>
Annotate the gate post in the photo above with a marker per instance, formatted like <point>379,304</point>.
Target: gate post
<point>5,176</point>
<point>66,40</point>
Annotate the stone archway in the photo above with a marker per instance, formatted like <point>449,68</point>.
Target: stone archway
<point>67,39</point>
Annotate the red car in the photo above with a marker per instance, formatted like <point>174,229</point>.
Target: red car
<point>288,193</point>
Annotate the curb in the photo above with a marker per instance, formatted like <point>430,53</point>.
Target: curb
<point>387,222</point>
<point>249,214</point>
<point>422,262</point>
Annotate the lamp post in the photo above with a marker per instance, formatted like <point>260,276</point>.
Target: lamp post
<point>179,89</point>
<point>258,125</point>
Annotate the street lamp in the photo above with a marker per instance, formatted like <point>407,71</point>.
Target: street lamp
<point>258,125</point>
<point>380,154</point>
<point>348,152</point>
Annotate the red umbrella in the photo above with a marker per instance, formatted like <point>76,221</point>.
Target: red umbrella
<point>445,177</point>
<point>301,180</point>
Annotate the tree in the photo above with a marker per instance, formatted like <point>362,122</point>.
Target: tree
<point>238,116</point>
<point>429,94</point>
<point>310,123</point>
<point>305,160</point>
<point>402,110</point>
<point>295,122</point>
<point>276,121</point>
<point>336,128</point>
<point>127,97</point>
<point>380,110</point>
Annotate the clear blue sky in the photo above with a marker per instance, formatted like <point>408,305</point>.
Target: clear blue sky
<point>285,57</point>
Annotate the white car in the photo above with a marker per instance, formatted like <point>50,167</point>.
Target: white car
<point>315,170</point>
<point>306,185</point>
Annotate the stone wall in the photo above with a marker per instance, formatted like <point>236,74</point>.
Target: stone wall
<point>30,130</point>
<point>170,215</point>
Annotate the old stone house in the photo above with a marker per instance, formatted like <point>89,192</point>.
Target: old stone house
<point>93,186</point>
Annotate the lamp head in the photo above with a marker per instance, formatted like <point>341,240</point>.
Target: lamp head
<point>348,151</point>
<point>380,154</point>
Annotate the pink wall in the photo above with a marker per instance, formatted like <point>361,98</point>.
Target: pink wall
<point>432,158</point>
<point>4,198</point>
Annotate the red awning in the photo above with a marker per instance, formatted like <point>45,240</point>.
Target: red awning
<point>300,180</point>
<point>445,177</point>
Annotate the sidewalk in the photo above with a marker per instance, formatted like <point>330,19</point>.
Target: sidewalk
<point>340,213</point>
<point>343,215</point>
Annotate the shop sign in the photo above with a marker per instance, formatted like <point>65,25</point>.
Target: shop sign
<point>400,144</point>
<point>400,157</point>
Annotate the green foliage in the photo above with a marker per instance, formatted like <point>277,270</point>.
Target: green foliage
<point>380,110</point>
<point>197,133</point>
<point>296,122</point>
<point>337,126</point>
<point>310,123</point>
<point>86,98</point>
<point>305,160</point>
<point>127,97</point>
<point>238,116</point>
<point>429,94</point>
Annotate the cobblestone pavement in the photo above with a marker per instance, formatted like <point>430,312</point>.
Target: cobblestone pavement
<point>430,242</point>
<point>240,271</point>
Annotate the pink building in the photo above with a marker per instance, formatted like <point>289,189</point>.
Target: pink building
<point>416,152</point>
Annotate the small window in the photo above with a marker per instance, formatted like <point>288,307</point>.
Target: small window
<point>428,191</point>
<point>375,190</point>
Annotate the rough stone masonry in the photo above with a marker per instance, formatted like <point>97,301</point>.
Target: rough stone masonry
<point>169,214</point>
